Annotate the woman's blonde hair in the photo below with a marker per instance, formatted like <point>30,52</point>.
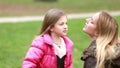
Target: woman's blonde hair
<point>107,28</point>
<point>51,17</point>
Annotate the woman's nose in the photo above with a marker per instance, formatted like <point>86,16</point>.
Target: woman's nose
<point>88,19</point>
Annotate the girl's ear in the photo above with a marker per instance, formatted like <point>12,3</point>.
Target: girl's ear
<point>51,29</point>
<point>96,33</point>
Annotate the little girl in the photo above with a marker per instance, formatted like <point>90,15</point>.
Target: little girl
<point>51,49</point>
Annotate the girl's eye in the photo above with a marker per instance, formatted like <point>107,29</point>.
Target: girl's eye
<point>66,23</point>
<point>61,23</point>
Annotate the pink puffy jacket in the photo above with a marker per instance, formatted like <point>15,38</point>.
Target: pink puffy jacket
<point>41,53</point>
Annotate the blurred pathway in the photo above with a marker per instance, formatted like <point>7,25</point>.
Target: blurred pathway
<point>40,18</point>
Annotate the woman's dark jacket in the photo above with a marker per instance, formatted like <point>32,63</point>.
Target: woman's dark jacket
<point>90,60</point>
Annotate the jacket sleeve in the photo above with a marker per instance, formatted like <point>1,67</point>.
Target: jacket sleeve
<point>33,55</point>
<point>70,66</point>
<point>116,62</point>
<point>70,59</point>
<point>90,62</point>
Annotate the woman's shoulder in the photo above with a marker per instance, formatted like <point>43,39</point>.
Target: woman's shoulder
<point>90,51</point>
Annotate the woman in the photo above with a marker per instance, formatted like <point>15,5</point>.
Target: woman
<point>104,49</point>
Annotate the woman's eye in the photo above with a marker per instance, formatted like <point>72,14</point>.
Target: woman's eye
<point>92,22</point>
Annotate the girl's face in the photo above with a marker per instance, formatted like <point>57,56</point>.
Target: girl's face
<point>60,28</point>
<point>90,25</point>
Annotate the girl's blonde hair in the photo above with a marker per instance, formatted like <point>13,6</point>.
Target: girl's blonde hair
<point>51,17</point>
<point>107,28</point>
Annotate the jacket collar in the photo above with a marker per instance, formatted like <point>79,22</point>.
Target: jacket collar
<point>48,40</point>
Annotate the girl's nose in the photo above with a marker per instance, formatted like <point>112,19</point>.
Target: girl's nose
<point>65,26</point>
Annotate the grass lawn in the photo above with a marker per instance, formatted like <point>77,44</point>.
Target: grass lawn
<point>16,38</point>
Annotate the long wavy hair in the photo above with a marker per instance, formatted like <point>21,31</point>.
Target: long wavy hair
<point>107,28</point>
<point>51,17</point>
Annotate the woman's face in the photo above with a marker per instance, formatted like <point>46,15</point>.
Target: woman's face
<point>90,25</point>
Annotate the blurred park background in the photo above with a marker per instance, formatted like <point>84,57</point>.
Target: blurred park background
<point>39,7</point>
<point>15,38</point>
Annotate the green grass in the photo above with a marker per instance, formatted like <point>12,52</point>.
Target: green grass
<point>14,42</point>
<point>30,7</point>
<point>15,39</point>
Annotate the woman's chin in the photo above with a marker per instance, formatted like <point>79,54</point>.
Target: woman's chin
<point>84,30</point>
